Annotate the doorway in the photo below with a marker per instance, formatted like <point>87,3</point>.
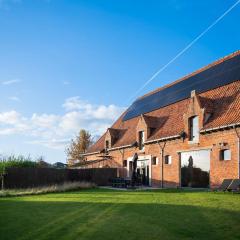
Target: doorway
<point>143,169</point>
<point>143,175</point>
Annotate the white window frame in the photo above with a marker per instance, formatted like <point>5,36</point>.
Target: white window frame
<point>156,161</point>
<point>194,129</point>
<point>169,159</point>
<point>142,140</point>
<point>223,156</point>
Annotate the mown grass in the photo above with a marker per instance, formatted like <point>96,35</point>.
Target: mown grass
<point>106,214</point>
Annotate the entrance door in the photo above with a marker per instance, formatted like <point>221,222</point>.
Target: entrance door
<point>143,175</point>
<point>195,169</point>
<point>143,169</point>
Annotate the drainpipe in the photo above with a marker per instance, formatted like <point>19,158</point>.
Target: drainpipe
<point>122,154</point>
<point>238,147</point>
<point>162,152</point>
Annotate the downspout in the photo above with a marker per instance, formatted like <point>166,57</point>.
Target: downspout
<point>162,153</point>
<point>238,150</point>
<point>122,154</point>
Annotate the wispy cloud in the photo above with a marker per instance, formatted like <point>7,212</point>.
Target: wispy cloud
<point>12,81</point>
<point>14,98</point>
<point>66,83</point>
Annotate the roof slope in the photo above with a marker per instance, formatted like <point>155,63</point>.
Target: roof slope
<point>223,102</point>
<point>220,73</point>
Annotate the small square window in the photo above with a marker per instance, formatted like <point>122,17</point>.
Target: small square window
<point>124,163</point>
<point>168,159</point>
<point>225,154</point>
<point>154,160</point>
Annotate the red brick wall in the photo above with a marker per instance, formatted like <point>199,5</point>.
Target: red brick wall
<point>219,170</point>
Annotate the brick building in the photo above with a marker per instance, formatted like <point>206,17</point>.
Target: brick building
<point>185,133</point>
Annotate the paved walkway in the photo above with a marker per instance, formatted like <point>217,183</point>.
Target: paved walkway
<point>153,188</point>
<point>126,189</point>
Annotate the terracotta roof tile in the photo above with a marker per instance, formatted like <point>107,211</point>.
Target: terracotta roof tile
<point>223,103</point>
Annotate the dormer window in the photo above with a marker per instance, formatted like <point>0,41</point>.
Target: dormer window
<point>193,129</point>
<point>107,144</point>
<point>141,140</point>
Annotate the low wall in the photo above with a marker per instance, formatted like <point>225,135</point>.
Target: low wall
<point>34,177</point>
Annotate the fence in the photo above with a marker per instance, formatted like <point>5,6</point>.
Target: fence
<point>34,177</point>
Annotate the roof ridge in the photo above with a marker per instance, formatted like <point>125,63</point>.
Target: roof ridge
<point>216,62</point>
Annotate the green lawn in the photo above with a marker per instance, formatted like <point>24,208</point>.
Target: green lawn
<point>105,214</point>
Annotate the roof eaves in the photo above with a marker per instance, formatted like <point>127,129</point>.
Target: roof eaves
<point>220,127</point>
<point>163,139</point>
<point>90,153</point>
<point>121,147</point>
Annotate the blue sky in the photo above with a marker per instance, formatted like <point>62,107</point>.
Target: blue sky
<point>66,65</point>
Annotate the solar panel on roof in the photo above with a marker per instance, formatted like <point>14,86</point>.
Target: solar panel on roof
<point>216,76</point>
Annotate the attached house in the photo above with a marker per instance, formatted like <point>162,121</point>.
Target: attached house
<point>186,134</point>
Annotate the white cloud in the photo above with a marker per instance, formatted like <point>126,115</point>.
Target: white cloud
<point>92,111</point>
<point>55,131</point>
<point>73,103</point>
<point>44,120</point>
<point>12,122</point>
<point>12,81</point>
<point>14,98</point>
<point>11,117</point>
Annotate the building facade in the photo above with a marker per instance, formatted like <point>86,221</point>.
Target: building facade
<point>186,134</point>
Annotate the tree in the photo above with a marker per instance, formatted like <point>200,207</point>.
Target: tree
<point>79,146</point>
<point>43,164</point>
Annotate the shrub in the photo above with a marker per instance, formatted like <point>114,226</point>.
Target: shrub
<point>16,161</point>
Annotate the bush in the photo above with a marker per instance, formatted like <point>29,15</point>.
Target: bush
<point>16,161</point>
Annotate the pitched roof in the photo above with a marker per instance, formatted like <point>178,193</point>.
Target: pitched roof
<point>218,74</point>
<point>223,102</point>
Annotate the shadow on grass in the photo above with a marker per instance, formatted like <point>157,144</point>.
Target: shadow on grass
<point>86,220</point>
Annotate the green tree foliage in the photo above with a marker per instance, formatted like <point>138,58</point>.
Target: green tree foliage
<point>14,161</point>
<point>17,161</point>
<point>79,146</point>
